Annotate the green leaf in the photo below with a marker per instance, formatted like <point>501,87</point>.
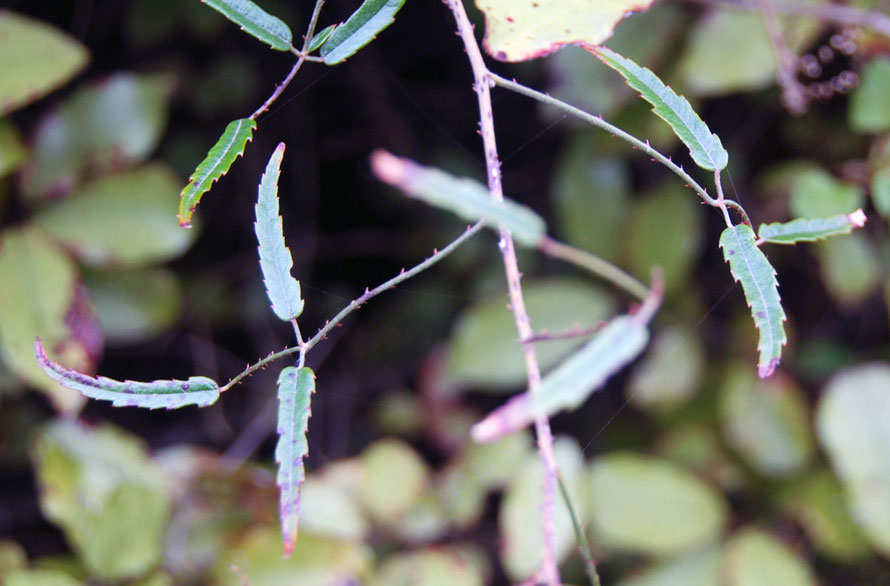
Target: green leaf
<point>849,267</point>
<point>120,220</point>
<point>811,230</point>
<point>275,259</point>
<point>569,384</point>
<point>38,577</point>
<point>13,153</point>
<point>393,480</point>
<point>466,198</point>
<point>652,506</point>
<point>104,126</point>
<point>751,268</point>
<point>705,147</point>
<point>519,30</point>
<point>359,29</point>
<point>753,557</point>
<point>851,422</point>
<point>169,394</point>
<point>698,568</point>
<point>320,37</point>
<point>868,102</point>
<point>670,373</point>
<point>295,388</point>
<point>815,193</point>
<point>219,160</point>
<point>434,566</point>
<point>255,21</point>
<point>37,59</point>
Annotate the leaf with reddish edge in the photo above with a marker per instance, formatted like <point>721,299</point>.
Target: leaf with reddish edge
<point>750,267</point>
<point>170,394</point>
<point>811,229</point>
<point>295,388</point>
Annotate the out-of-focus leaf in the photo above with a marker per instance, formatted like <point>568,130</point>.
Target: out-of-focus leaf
<point>38,577</point>
<point>37,297</point>
<point>850,268</point>
<point>879,189</point>
<point>255,21</point>
<point>360,28</point>
<point>671,371</point>
<point>705,147</point>
<point>105,126</point>
<point>134,304</point>
<point>169,394</point>
<point>817,502</point>
<point>462,196</point>
<point>851,424</point>
<point>295,388</point>
<point>110,500</point>
<point>275,258</point>
<point>816,194</point>
<point>766,422</point>
<point>35,58</point>
<point>568,385</point>
<point>484,352</point>
<point>590,193</point>
<point>699,568</point>
<point>229,84</point>
<point>648,505</point>
<point>331,509</point>
<point>810,230</point>
<point>393,480</point>
<point>698,447</point>
<point>753,557</point>
<point>428,567</point>
<point>229,147</point>
<point>519,517</point>
<point>750,267</point>
<point>12,555</point>
<point>12,152</point>
<point>519,30</point>
<point>868,101</point>
<point>120,220</point>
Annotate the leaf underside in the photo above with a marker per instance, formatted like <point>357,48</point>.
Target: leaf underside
<point>705,147</point>
<point>467,198</point>
<point>275,259</point>
<point>359,29</point>
<point>750,267</point>
<point>295,388</point>
<point>806,229</point>
<point>169,394</point>
<point>255,21</point>
<point>219,160</point>
<point>568,385</point>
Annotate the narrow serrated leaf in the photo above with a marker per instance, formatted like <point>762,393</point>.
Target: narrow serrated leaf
<point>169,394</point>
<point>467,198</point>
<point>275,259</point>
<point>320,37</point>
<point>750,267</point>
<point>295,388</point>
<point>811,229</point>
<point>569,384</point>
<point>255,21</point>
<point>705,147</point>
<point>229,147</point>
<point>359,29</point>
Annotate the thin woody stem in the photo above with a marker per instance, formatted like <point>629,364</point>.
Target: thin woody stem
<point>721,201</point>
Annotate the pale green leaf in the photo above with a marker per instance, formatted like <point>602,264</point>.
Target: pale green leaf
<point>569,384</point>
<point>229,147</point>
<point>275,259</point>
<point>466,198</point>
<point>850,268</point>
<point>705,147</point>
<point>851,422</point>
<point>811,229</point>
<point>169,394</point>
<point>255,21</point>
<point>13,153</point>
<point>698,568</point>
<point>652,506</point>
<point>320,37</point>
<point>519,30</point>
<point>295,388</point>
<point>815,193</point>
<point>868,102</point>
<point>35,59</point>
<point>122,219</point>
<point>670,373</point>
<point>437,565</point>
<point>393,480</point>
<point>359,29</point>
<point>751,268</point>
<point>879,189</point>
<point>38,577</point>
<point>753,557</point>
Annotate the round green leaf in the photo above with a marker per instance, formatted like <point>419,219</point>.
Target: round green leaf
<point>849,267</point>
<point>429,567</point>
<point>868,102</point>
<point>699,568</point>
<point>653,506</point>
<point>815,193</point>
<point>484,352</point>
<point>394,478</point>
<point>38,577</point>
<point>852,426</point>
<point>35,59</point>
<point>753,557</point>
<point>125,219</point>
<point>670,373</point>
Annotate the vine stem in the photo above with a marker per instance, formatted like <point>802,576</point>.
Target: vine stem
<point>583,545</point>
<point>483,82</point>
<point>303,347</point>
<point>721,201</point>
<point>595,265</point>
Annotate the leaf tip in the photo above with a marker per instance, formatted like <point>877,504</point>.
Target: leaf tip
<point>857,219</point>
<point>388,167</point>
<point>766,370</point>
